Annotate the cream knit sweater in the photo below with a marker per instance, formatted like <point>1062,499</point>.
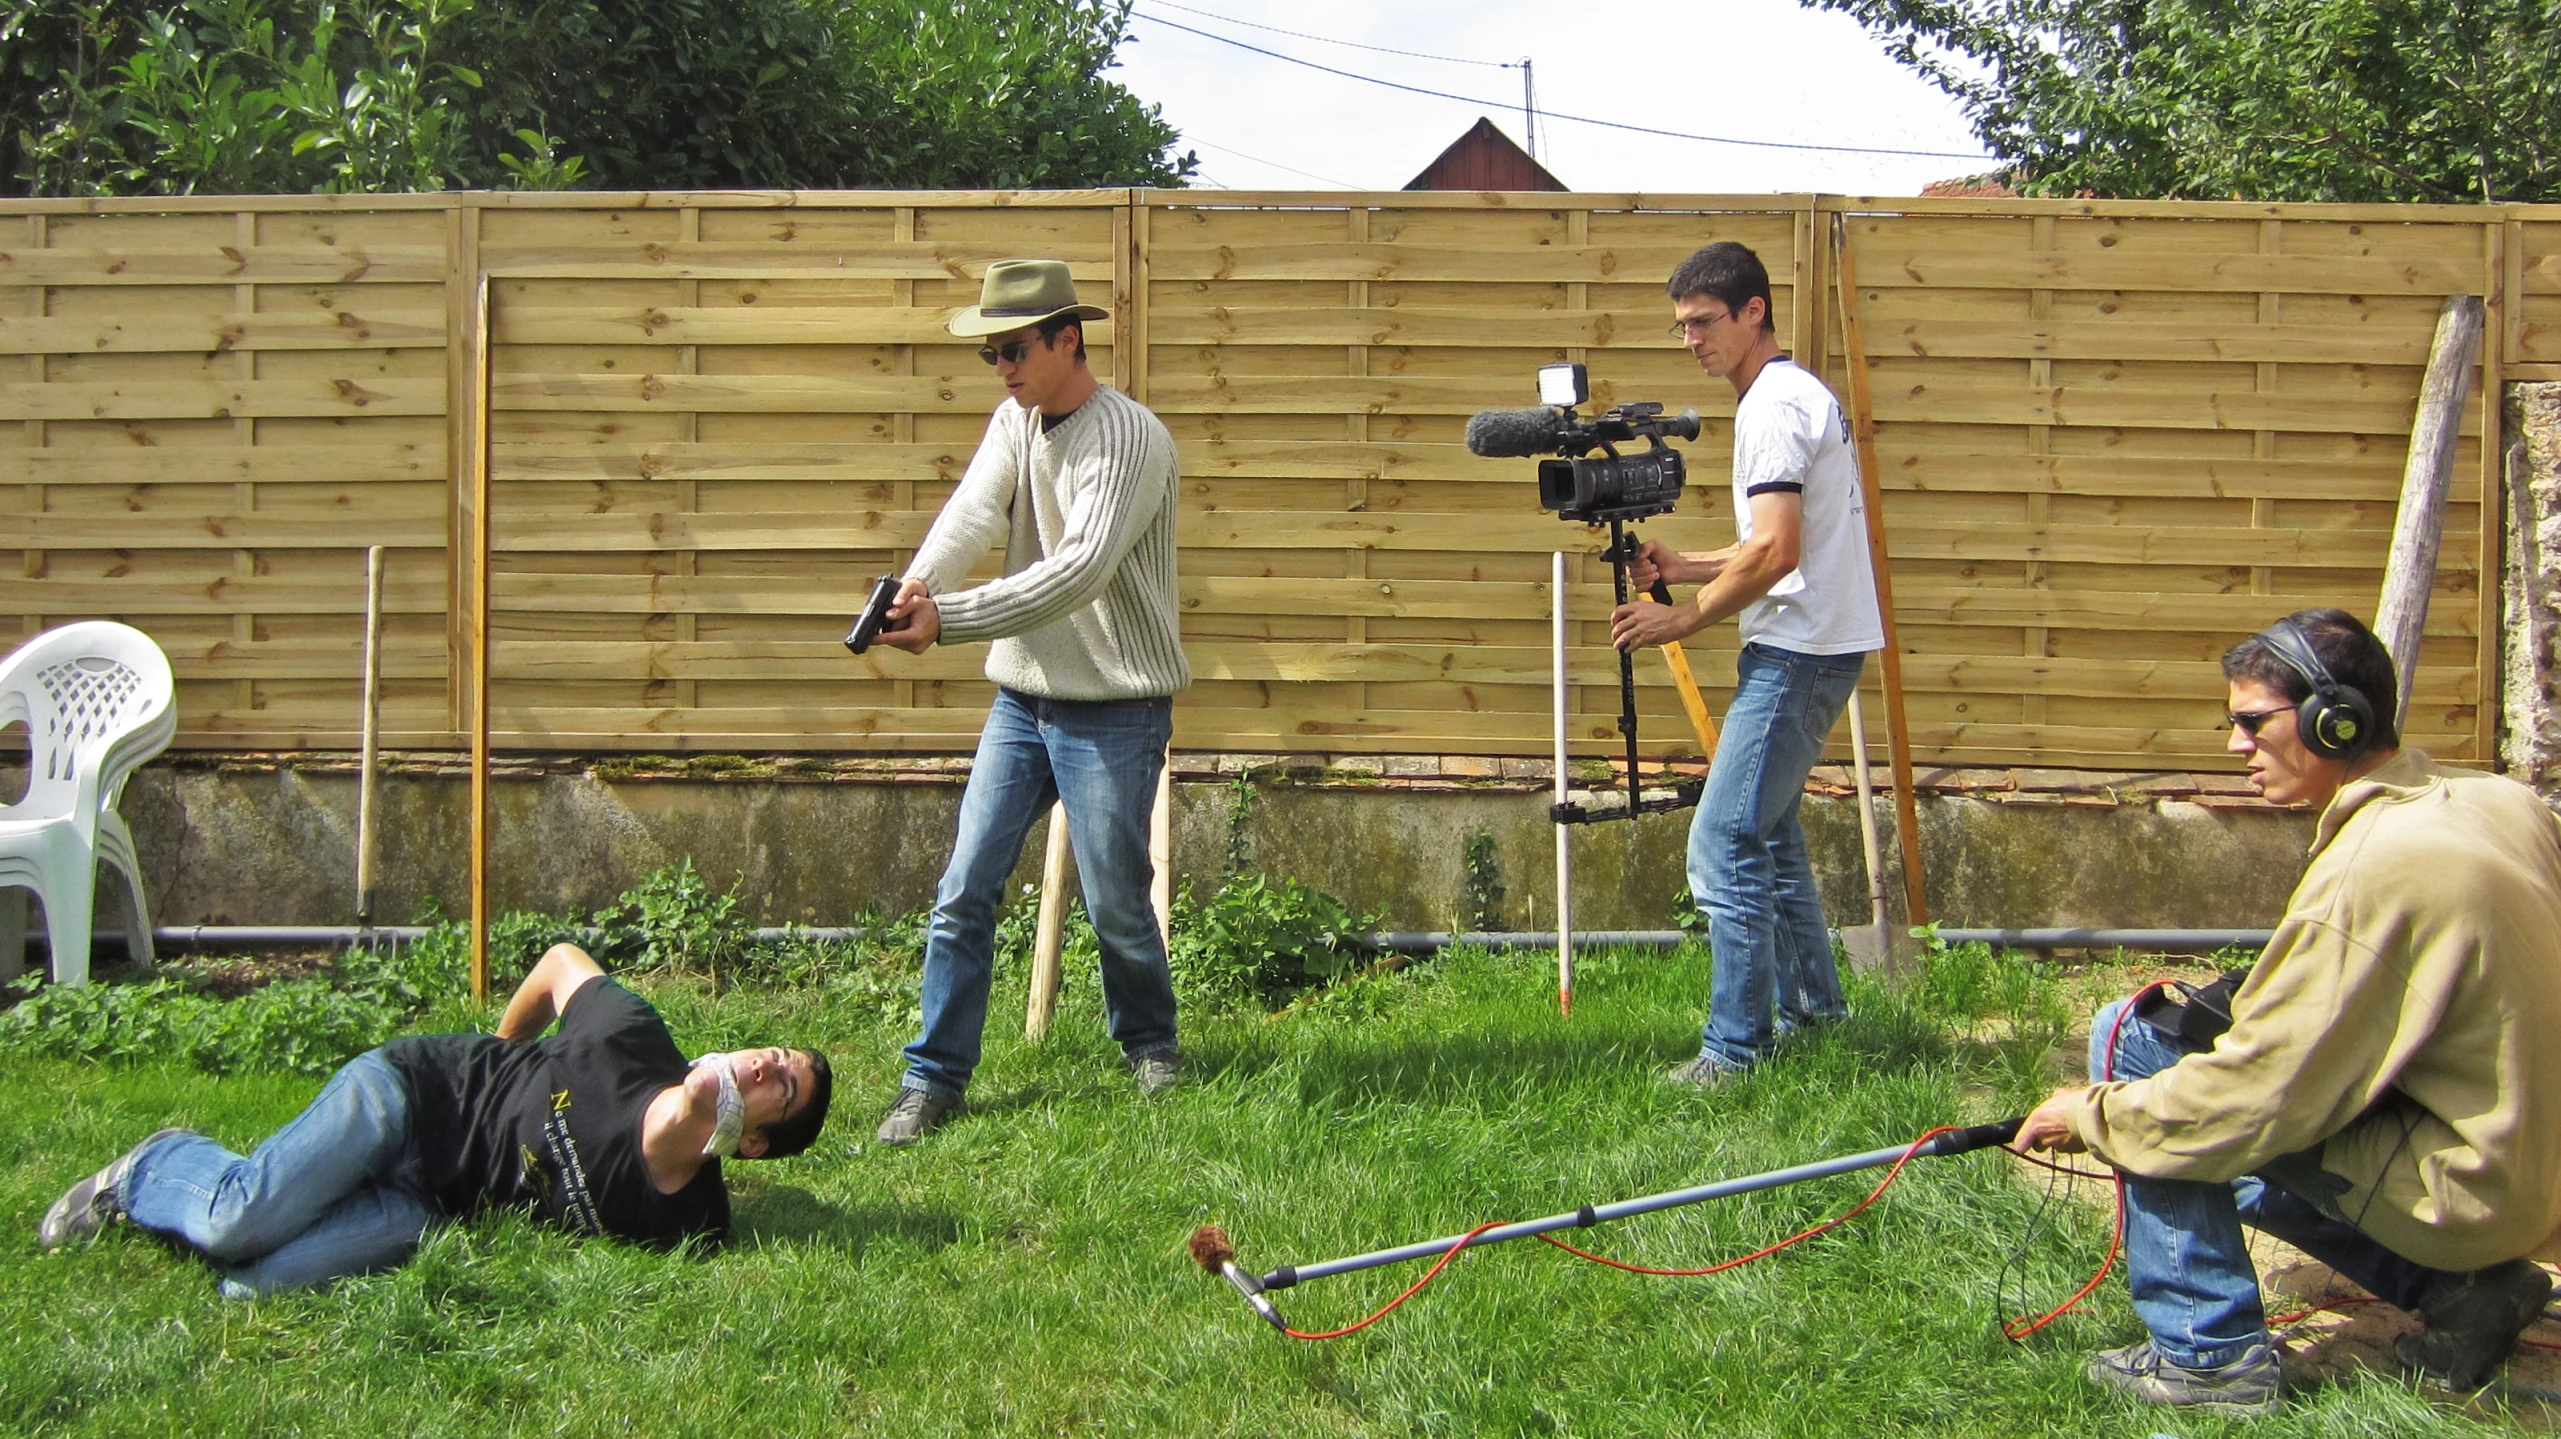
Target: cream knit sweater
<point>1087,607</point>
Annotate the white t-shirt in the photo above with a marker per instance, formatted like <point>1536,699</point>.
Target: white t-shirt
<point>1790,435</point>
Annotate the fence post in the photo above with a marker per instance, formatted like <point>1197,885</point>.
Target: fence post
<point>1907,822</point>
<point>2401,614</point>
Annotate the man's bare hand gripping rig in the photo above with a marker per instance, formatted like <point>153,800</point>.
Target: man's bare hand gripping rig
<point>1591,489</point>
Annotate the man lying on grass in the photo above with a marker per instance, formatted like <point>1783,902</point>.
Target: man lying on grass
<point>2387,1097</point>
<point>601,1129</point>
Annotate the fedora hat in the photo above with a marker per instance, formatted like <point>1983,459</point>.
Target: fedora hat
<point>1017,293</point>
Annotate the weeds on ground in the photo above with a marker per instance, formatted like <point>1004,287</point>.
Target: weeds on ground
<point>1249,940</point>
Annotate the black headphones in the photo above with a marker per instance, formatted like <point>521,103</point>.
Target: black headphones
<point>2336,721</point>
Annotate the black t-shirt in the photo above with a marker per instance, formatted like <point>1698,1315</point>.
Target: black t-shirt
<point>555,1123</point>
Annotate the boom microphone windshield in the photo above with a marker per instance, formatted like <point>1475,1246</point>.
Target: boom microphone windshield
<point>1515,434</point>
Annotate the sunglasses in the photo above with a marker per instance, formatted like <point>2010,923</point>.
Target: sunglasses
<point>2249,722</point>
<point>1011,354</point>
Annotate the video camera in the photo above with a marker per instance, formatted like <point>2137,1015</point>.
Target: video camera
<point>1611,489</point>
<point>1581,487</point>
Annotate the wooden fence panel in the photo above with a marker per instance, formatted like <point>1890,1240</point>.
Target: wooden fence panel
<point>206,415</point>
<point>2114,436</point>
<point>2533,331</point>
<point>1317,363</point>
<point>712,425</point>
<point>2133,437</point>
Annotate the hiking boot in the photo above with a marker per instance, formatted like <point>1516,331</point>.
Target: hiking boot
<point>915,1115</point>
<point>2472,1322</point>
<point>95,1202</point>
<point>2247,1385</point>
<point>1703,1072</point>
<point>1157,1073</point>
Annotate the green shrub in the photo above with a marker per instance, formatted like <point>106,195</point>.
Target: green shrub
<point>301,1026</point>
<point>1252,938</point>
<point>1262,938</point>
<point>165,97</point>
<point>672,920</point>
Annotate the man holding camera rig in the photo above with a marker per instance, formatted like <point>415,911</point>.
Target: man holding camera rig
<point>1078,480</point>
<point>1799,582</point>
<point>2387,1094</point>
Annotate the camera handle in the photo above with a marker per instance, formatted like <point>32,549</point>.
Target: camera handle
<point>1622,549</point>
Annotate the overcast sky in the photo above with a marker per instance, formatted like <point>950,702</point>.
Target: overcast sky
<point>1766,70</point>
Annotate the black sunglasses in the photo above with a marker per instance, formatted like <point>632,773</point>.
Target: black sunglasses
<point>2249,721</point>
<point>1011,354</point>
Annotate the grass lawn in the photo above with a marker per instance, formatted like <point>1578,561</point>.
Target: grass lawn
<point>1023,1272</point>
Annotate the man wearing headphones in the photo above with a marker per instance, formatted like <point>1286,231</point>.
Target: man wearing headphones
<point>2387,1096</point>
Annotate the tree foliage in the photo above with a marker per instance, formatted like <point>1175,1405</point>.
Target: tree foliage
<point>2371,100</point>
<point>251,96</point>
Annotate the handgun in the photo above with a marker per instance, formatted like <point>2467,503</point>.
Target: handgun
<point>875,610</point>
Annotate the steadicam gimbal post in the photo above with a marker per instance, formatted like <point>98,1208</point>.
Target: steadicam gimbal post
<point>1606,488</point>
<point>1684,793</point>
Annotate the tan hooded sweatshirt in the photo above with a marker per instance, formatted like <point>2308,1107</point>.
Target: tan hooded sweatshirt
<point>2406,1018</point>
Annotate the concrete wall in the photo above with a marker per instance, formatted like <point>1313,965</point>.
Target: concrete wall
<point>271,841</point>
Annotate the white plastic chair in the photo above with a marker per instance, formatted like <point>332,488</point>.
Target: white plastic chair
<point>97,700</point>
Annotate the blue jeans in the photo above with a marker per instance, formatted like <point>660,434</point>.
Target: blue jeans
<point>2187,1261</point>
<point>336,1192</point>
<point>1747,866</point>
<point>1101,757</point>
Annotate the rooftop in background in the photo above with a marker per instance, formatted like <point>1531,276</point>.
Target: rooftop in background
<point>1992,186</point>
<point>1485,158</point>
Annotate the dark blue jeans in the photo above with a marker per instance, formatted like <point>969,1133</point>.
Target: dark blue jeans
<point>2186,1259</point>
<point>336,1192</point>
<point>1101,757</point>
<point>1747,866</point>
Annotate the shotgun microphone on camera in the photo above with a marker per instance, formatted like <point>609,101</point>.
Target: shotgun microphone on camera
<point>1516,434</point>
<point>1579,486</point>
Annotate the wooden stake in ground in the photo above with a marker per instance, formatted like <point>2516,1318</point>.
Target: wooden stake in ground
<point>480,363</point>
<point>1564,832</point>
<point>1047,938</point>
<point>1160,849</point>
<point>1907,822</point>
<point>372,724</point>
<point>2401,614</point>
<point>1868,944</point>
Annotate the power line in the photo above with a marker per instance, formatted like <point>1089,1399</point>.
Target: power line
<point>1191,139</point>
<point>1557,115</point>
<point>1329,40</point>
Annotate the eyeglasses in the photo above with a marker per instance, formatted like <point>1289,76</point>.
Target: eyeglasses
<point>2248,722</point>
<point>1698,327</point>
<point>1011,353</point>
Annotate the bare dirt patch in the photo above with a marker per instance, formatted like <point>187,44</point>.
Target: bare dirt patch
<point>229,976</point>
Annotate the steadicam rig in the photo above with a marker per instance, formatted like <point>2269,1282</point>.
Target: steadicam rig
<point>1214,1252</point>
<point>1609,488</point>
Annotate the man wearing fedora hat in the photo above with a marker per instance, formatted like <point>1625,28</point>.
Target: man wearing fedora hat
<point>1077,480</point>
